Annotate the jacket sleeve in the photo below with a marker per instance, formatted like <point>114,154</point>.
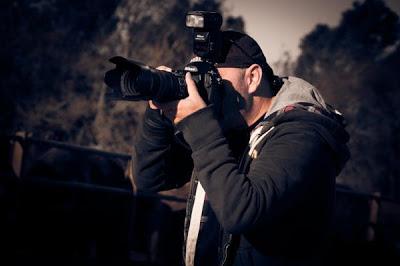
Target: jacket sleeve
<point>282,173</point>
<point>160,162</point>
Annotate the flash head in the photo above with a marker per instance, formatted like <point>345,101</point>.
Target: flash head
<point>206,34</point>
<point>206,20</point>
<point>194,21</point>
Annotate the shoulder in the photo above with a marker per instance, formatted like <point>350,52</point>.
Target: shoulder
<point>296,131</point>
<point>296,134</point>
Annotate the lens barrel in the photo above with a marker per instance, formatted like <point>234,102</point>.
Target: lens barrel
<point>134,81</point>
<point>158,85</point>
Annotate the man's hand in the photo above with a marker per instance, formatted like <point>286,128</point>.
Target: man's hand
<point>176,111</point>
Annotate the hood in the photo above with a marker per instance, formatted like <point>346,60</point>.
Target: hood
<point>296,90</point>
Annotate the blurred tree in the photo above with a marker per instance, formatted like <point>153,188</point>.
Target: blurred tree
<point>354,65</point>
<point>285,65</point>
<point>42,41</point>
<point>234,23</point>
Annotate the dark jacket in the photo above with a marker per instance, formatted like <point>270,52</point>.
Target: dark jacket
<point>274,204</point>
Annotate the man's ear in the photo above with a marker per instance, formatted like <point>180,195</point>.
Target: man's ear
<point>253,77</point>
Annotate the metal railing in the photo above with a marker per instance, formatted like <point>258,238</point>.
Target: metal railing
<point>24,140</point>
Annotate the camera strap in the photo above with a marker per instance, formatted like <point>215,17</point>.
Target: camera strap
<point>194,226</point>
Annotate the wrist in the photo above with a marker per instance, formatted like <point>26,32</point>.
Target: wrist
<point>200,126</point>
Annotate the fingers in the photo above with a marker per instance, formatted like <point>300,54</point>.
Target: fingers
<point>177,110</point>
<point>164,68</point>
<point>191,85</point>
<point>153,105</point>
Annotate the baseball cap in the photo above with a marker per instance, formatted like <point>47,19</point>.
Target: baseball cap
<point>240,50</point>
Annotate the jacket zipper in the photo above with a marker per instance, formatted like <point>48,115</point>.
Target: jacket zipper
<point>225,255</point>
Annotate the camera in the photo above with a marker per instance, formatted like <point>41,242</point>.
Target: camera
<point>134,81</point>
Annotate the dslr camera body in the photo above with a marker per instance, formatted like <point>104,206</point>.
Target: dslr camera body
<point>134,81</point>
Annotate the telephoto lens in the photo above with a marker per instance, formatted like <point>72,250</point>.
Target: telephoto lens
<point>134,81</point>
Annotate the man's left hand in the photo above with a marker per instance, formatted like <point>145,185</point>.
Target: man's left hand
<point>176,111</point>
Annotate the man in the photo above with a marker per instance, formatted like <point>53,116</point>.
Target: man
<point>263,179</point>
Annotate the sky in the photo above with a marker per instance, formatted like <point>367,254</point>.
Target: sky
<point>279,25</point>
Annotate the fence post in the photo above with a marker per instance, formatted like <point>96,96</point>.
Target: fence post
<point>374,203</point>
<point>17,153</point>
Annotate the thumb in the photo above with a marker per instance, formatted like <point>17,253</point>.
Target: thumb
<point>191,85</point>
